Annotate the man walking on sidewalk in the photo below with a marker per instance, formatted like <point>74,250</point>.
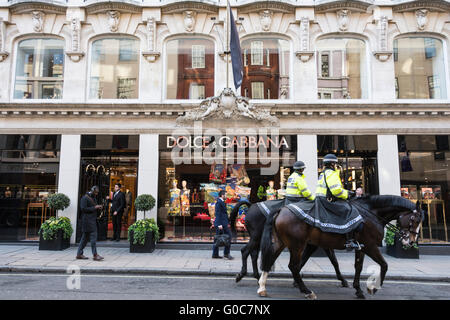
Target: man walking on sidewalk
<point>221,225</point>
<point>89,209</point>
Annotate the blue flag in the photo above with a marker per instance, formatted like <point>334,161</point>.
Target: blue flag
<point>236,55</point>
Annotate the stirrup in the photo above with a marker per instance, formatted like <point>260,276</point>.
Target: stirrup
<point>353,244</point>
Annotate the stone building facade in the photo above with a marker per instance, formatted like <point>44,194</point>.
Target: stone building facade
<point>85,83</point>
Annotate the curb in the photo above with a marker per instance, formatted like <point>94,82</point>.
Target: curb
<point>187,272</point>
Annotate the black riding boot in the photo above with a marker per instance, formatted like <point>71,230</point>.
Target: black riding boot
<point>351,243</point>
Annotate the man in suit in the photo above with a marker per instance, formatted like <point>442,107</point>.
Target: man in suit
<point>221,225</point>
<point>89,207</point>
<point>117,208</point>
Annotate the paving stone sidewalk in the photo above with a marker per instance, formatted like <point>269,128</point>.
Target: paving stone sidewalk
<point>19,258</point>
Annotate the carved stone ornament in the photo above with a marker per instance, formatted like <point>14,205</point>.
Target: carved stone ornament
<point>3,53</point>
<point>189,20</point>
<point>38,21</point>
<point>422,19</point>
<point>113,20</point>
<point>75,27</point>
<point>266,19</point>
<point>343,19</point>
<point>151,55</point>
<point>383,54</point>
<point>227,106</point>
<point>304,54</point>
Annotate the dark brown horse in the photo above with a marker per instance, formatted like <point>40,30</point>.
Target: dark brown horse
<point>254,223</point>
<point>295,234</point>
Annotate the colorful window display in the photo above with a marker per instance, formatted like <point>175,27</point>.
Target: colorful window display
<point>188,191</point>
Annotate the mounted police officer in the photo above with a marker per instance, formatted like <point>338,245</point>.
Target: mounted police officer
<point>330,187</point>
<point>296,188</point>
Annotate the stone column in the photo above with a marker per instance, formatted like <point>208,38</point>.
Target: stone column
<point>148,170</point>
<point>307,152</point>
<point>388,165</point>
<point>69,176</point>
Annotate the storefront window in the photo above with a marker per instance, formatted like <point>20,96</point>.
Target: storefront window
<point>419,68</point>
<point>342,68</point>
<point>188,189</point>
<point>190,68</point>
<point>105,161</point>
<point>266,68</point>
<point>114,69</point>
<point>425,177</point>
<point>29,167</point>
<point>39,69</point>
<point>357,156</point>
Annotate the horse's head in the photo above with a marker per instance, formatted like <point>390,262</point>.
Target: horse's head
<point>409,224</point>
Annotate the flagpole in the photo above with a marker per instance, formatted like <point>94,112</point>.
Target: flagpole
<point>227,48</point>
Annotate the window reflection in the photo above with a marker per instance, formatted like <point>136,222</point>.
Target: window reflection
<point>39,69</point>
<point>266,68</point>
<point>114,69</point>
<point>190,68</point>
<point>341,69</point>
<point>419,68</point>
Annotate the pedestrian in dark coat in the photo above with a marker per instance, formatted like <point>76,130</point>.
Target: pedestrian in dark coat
<point>117,209</point>
<point>89,207</point>
<point>221,225</point>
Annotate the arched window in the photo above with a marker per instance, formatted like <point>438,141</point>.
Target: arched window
<point>266,68</point>
<point>114,69</point>
<point>190,68</point>
<point>341,69</point>
<point>39,69</point>
<point>419,68</point>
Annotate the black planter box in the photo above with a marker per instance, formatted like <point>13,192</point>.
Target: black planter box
<point>148,246</point>
<point>397,251</point>
<point>56,244</point>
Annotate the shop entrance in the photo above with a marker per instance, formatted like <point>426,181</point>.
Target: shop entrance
<point>105,168</point>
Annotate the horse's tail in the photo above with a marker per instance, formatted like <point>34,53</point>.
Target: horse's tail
<point>234,214</point>
<point>266,245</point>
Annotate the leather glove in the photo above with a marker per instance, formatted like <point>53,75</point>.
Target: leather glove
<point>351,194</point>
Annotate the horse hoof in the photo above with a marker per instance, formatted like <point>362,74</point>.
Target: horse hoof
<point>344,283</point>
<point>311,296</point>
<point>360,295</point>
<point>295,284</point>
<point>239,277</point>
<point>262,293</point>
<point>372,291</point>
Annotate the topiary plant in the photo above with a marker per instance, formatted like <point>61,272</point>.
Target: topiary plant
<point>58,201</point>
<point>144,202</point>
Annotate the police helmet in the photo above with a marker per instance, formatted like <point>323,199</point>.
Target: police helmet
<point>299,165</point>
<point>330,158</point>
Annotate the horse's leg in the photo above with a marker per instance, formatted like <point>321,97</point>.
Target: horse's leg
<point>374,253</point>
<point>244,252</point>
<point>254,254</point>
<point>359,260</point>
<point>307,253</point>
<point>332,256</point>
<point>278,248</point>
<point>294,266</point>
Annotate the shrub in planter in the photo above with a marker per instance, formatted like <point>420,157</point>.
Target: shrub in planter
<point>55,234</point>
<point>395,248</point>
<point>143,235</point>
<point>58,201</point>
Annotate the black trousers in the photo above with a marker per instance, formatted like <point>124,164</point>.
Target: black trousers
<point>92,236</point>
<point>117,225</point>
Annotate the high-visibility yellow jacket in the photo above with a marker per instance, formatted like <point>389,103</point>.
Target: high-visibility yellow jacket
<point>297,187</point>
<point>334,183</point>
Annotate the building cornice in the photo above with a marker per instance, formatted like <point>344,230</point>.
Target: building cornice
<point>180,7</point>
<point>103,7</point>
<point>436,5</point>
<point>175,110</point>
<point>30,6</point>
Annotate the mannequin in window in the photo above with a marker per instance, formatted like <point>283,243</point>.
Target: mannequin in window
<point>185,204</point>
<point>128,201</point>
<point>281,193</point>
<point>195,196</point>
<point>174,196</point>
<point>271,193</point>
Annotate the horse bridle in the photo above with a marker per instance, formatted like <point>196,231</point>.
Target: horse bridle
<point>417,215</point>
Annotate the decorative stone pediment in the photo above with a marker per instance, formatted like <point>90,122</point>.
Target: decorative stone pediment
<point>227,106</point>
<point>275,7</point>
<point>28,7</point>
<point>435,5</point>
<point>330,6</point>
<point>180,7</point>
<point>103,7</point>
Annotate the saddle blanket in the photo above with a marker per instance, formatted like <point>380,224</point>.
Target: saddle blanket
<point>269,207</point>
<point>337,217</point>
